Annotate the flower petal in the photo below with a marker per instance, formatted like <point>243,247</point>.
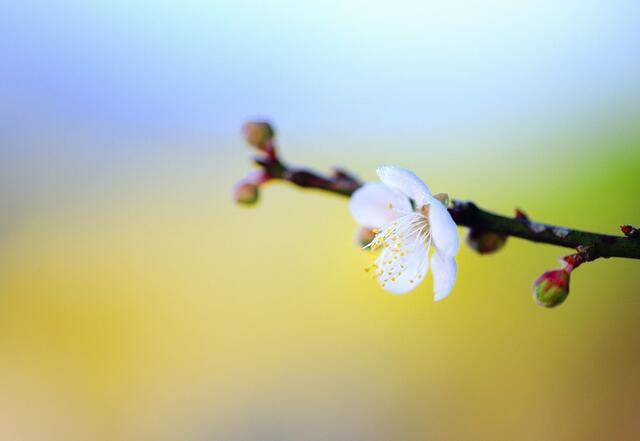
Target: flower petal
<point>444,231</point>
<point>374,205</point>
<point>401,274</point>
<point>406,181</point>
<point>444,271</point>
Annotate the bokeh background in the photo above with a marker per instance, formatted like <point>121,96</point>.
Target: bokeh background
<point>138,302</point>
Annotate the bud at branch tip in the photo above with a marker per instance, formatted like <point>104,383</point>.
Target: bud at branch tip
<point>247,190</point>
<point>259,134</point>
<point>552,288</point>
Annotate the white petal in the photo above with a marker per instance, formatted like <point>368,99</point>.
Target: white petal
<point>444,271</point>
<point>406,181</point>
<point>374,204</point>
<point>444,231</point>
<point>404,273</point>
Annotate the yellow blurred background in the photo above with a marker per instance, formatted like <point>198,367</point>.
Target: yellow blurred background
<point>137,302</point>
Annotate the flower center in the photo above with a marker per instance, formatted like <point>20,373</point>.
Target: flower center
<point>402,240</point>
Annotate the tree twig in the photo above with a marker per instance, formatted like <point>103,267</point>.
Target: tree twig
<point>488,231</point>
<point>467,214</point>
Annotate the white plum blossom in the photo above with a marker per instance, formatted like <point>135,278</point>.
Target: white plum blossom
<point>407,221</point>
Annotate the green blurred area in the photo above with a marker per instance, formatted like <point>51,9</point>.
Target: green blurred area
<point>141,303</point>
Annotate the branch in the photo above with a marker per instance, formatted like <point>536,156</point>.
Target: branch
<point>468,214</point>
<point>488,231</point>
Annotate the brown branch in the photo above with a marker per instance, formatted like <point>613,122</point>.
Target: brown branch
<point>488,231</point>
<point>589,245</point>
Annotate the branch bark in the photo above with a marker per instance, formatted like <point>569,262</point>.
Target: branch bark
<point>467,214</point>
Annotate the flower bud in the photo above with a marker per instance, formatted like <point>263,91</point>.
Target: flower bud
<point>245,192</point>
<point>364,236</point>
<point>258,134</point>
<point>630,231</point>
<point>551,288</point>
<point>485,242</point>
<point>444,198</point>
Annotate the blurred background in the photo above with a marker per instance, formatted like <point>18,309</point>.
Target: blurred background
<point>138,302</point>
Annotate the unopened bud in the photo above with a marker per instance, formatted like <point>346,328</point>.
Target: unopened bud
<point>551,288</point>
<point>630,231</point>
<point>246,192</point>
<point>485,242</point>
<point>444,198</point>
<point>364,236</point>
<point>258,134</point>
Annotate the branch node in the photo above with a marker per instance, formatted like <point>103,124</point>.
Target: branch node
<point>560,232</point>
<point>536,227</point>
<point>521,215</point>
<point>343,175</point>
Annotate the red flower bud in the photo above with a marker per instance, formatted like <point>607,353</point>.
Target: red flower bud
<point>259,134</point>
<point>245,192</point>
<point>485,242</point>
<point>630,231</point>
<point>552,288</point>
